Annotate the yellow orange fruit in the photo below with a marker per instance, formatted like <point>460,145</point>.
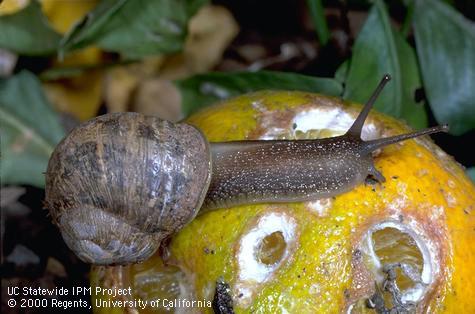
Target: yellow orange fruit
<point>405,244</point>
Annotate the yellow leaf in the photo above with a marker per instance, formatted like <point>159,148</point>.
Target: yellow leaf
<point>63,14</point>
<point>85,57</point>
<point>160,98</point>
<point>210,32</point>
<point>121,82</point>
<point>79,96</point>
<point>12,6</point>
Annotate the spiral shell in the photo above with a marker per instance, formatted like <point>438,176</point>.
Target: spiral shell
<point>119,184</point>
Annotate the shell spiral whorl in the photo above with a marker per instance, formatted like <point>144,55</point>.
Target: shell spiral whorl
<point>145,175</point>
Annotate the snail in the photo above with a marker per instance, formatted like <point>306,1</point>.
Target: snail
<point>121,183</point>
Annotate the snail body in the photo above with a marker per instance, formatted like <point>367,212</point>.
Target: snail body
<point>121,183</point>
<point>283,171</point>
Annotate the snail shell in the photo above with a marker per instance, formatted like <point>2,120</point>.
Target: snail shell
<point>143,176</point>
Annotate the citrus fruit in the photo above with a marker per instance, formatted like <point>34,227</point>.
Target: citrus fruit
<point>404,245</point>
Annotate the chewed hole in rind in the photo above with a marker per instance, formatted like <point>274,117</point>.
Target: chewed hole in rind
<point>271,249</point>
<point>335,119</point>
<point>262,250</point>
<point>394,247</point>
<point>155,281</point>
<point>397,248</point>
<point>313,122</point>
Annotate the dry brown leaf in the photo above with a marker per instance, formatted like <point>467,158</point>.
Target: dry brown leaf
<point>118,87</point>
<point>121,82</point>
<point>79,96</point>
<point>10,195</point>
<point>159,97</point>
<point>55,268</point>
<point>10,204</point>
<point>210,31</point>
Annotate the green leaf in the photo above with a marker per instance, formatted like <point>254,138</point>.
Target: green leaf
<point>406,25</point>
<point>411,111</point>
<point>319,21</point>
<point>205,89</point>
<point>342,72</point>
<point>445,43</point>
<point>379,49</point>
<point>27,32</point>
<point>65,72</point>
<point>471,173</point>
<point>134,28</point>
<point>30,130</point>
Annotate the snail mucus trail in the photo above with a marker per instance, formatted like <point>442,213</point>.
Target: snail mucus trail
<point>121,183</point>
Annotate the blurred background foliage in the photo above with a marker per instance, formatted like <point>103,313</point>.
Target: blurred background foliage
<point>66,61</point>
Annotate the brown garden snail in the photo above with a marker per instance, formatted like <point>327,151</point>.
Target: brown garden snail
<point>119,184</point>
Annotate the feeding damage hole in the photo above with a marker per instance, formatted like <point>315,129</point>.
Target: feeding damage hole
<point>263,249</point>
<point>402,265</point>
<point>271,249</point>
<point>153,280</point>
<point>269,243</point>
